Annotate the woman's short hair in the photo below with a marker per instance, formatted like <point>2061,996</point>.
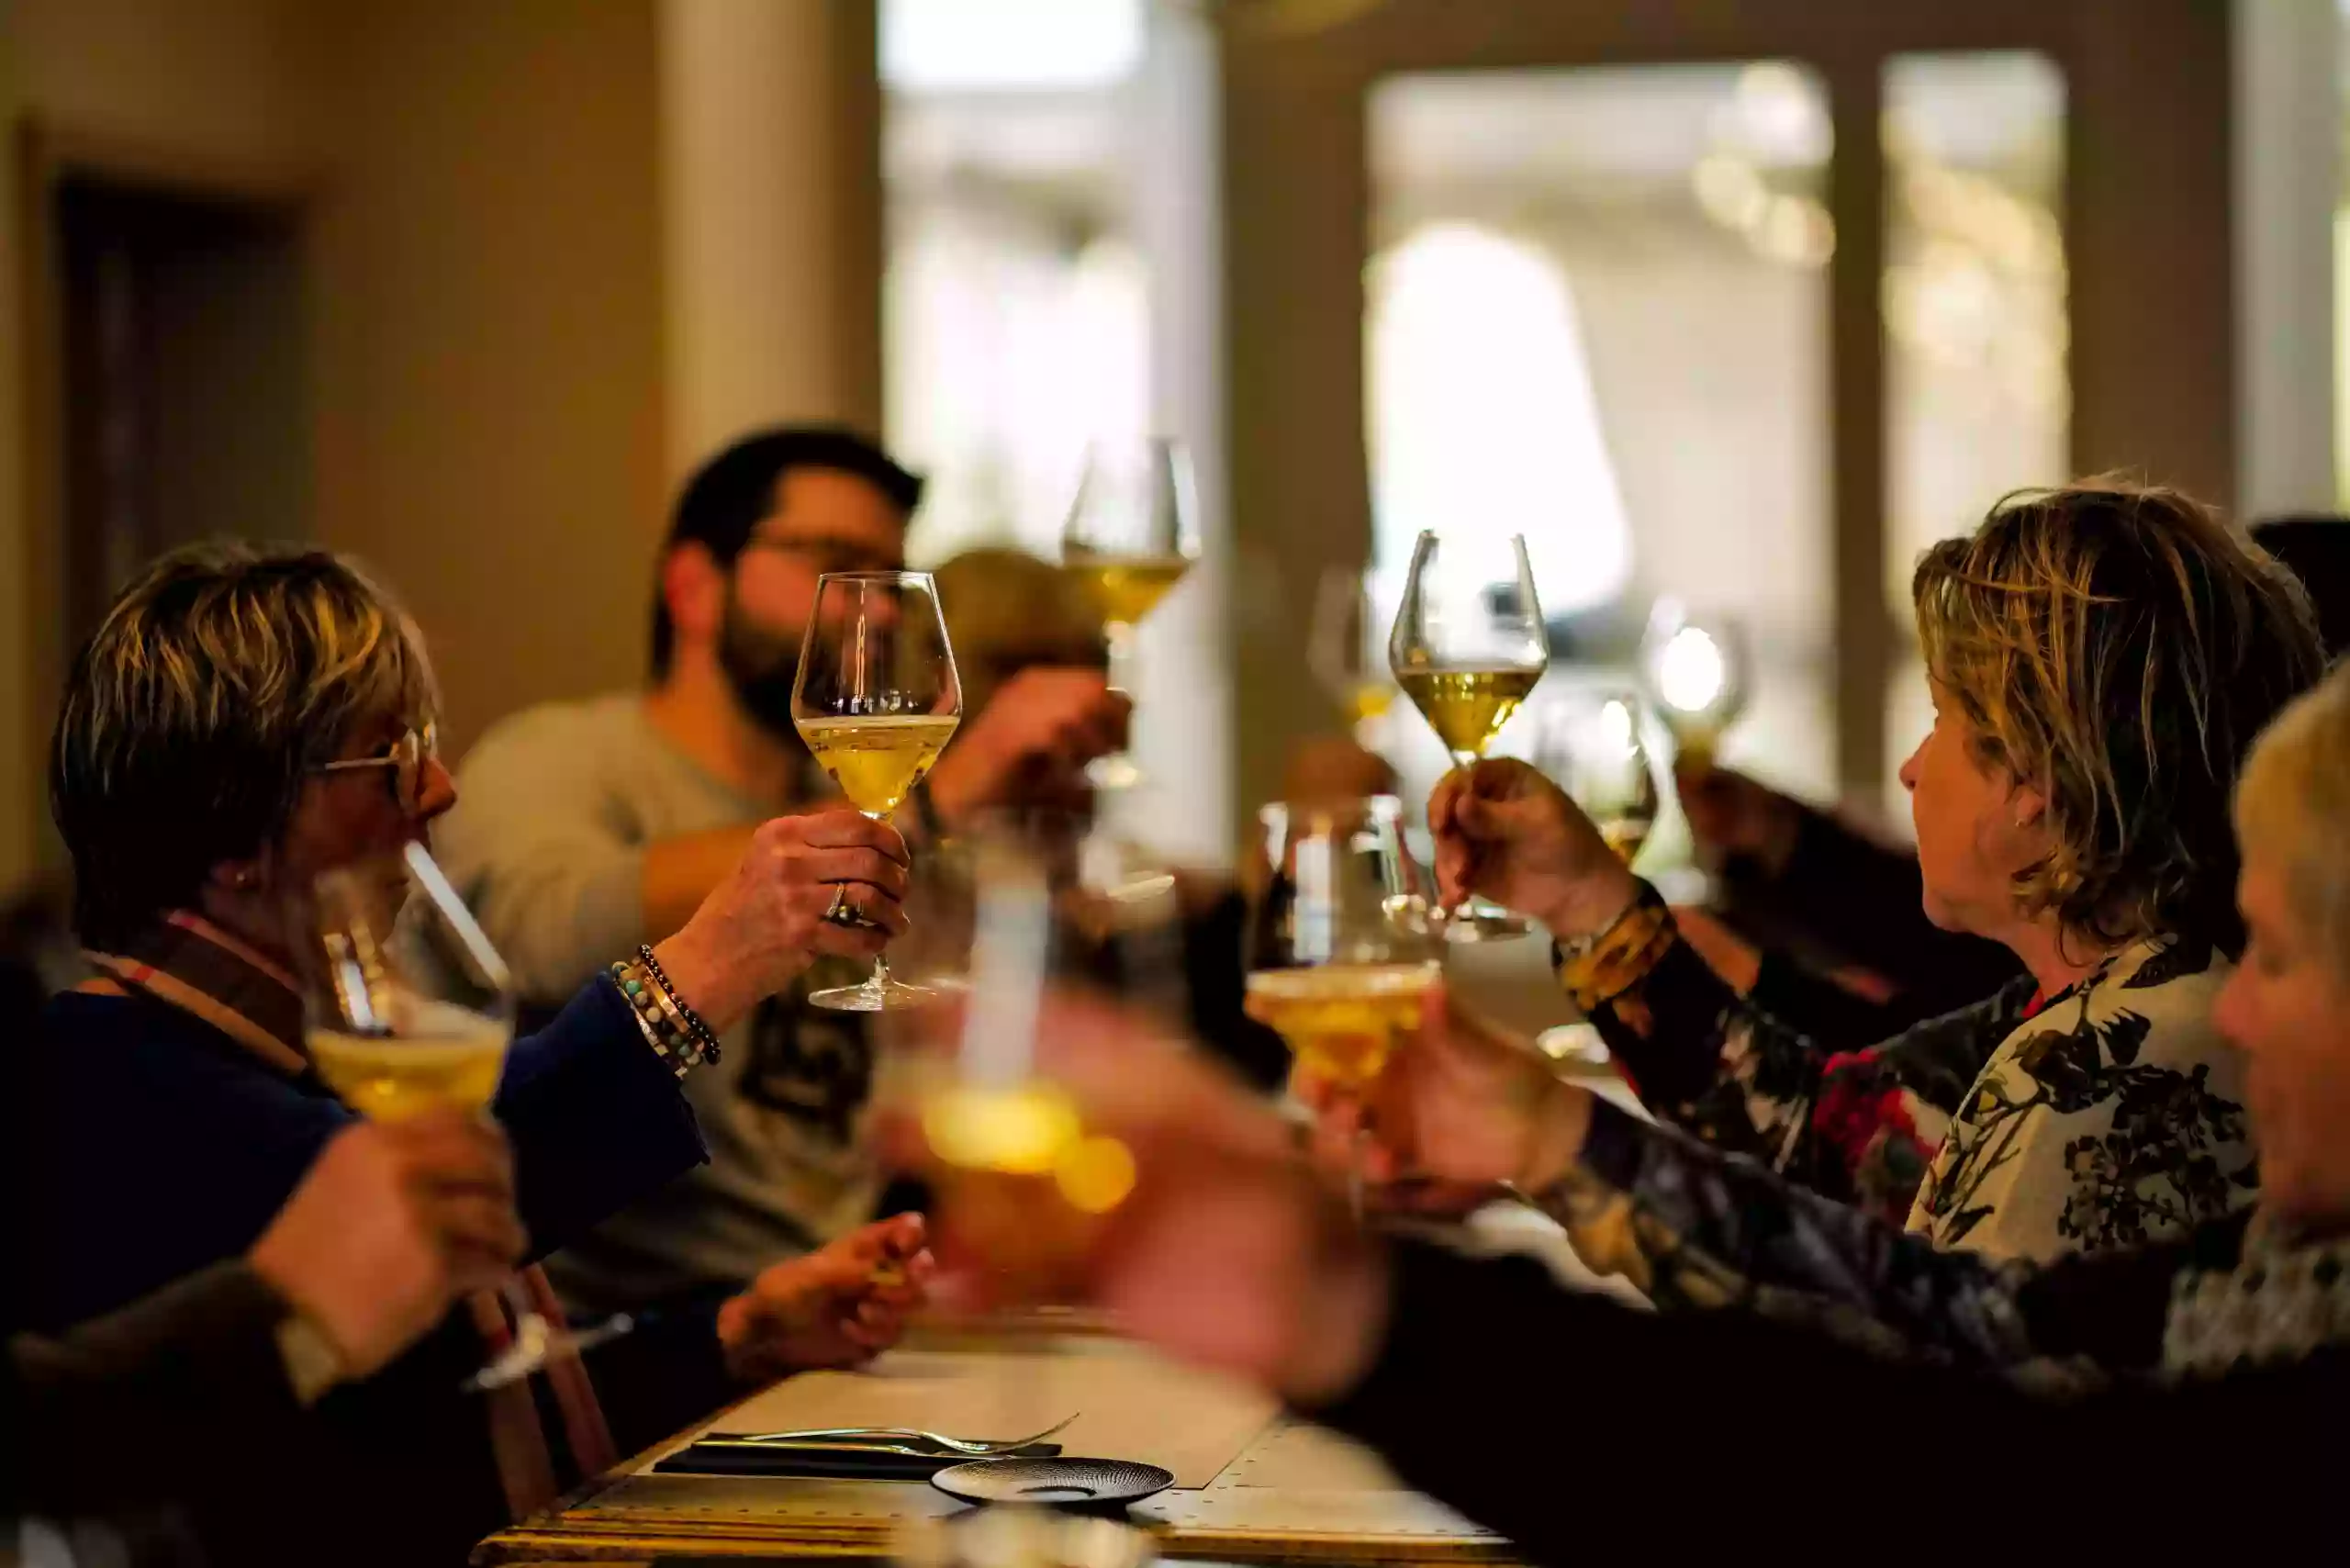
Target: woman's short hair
<point>2293,802</point>
<point>217,679</point>
<point>2117,647</point>
<point>1006,610</point>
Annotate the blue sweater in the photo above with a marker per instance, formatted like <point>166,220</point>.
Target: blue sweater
<point>141,1144</point>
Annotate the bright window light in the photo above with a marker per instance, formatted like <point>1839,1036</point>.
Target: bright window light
<point>930,46</point>
<point>1483,417</point>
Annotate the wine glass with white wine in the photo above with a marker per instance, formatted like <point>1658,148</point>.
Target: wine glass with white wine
<point>407,1007</point>
<point>1342,944</point>
<point>1591,746</point>
<point>1133,533</point>
<point>1696,668</point>
<point>1468,647</point>
<point>1343,652</point>
<point>876,699</point>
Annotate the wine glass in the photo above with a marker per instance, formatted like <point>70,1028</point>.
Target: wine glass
<point>1343,652</point>
<point>1695,668</point>
<point>1590,745</point>
<point>876,700</point>
<point>1468,647</point>
<point>406,1007</point>
<point>1342,939</point>
<point>1132,534</point>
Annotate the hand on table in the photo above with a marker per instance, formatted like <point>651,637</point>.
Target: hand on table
<point>1030,744</point>
<point>1505,832</point>
<point>838,1306</point>
<point>393,1223</point>
<point>765,924</point>
<point>1462,1107</point>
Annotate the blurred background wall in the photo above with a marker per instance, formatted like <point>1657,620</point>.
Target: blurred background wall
<point>1742,303</point>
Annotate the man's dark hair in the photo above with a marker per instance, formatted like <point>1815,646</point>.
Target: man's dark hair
<point>726,498</point>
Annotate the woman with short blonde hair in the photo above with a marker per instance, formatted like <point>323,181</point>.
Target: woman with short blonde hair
<point>244,718</point>
<point>2100,658</point>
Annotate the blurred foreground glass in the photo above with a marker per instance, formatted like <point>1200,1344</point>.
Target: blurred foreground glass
<point>1133,533</point>
<point>1343,940</point>
<point>1468,647</point>
<point>1019,1182</point>
<point>876,700</point>
<point>407,1007</point>
<point>1590,745</point>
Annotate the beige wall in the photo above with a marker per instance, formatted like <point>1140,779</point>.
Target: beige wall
<point>489,330</point>
<point>486,308</point>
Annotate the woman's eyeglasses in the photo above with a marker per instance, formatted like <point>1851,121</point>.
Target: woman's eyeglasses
<point>406,758</point>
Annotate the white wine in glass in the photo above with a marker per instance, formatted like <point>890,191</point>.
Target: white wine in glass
<point>1342,649</point>
<point>1468,647</point>
<point>1132,534</point>
<point>1591,745</point>
<point>407,1007</point>
<point>1341,945</point>
<point>876,700</point>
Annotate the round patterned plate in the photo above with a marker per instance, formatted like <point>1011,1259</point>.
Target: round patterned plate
<point>1069,1481</point>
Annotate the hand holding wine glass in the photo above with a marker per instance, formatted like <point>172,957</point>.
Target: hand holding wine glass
<point>1468,647</point>
<point>1505,832</point>
<point>876,700</point>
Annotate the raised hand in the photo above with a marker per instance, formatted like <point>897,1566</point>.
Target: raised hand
<point>1505,832</point>
<point>1030,744</point>
<point>765,922</point>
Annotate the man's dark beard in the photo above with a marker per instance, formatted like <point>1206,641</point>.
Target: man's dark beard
<point>760,664</point>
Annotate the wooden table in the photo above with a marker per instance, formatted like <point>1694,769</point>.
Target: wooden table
<point>1252,1486</point>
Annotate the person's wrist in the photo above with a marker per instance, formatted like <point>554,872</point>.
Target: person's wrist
<point>1345,1313</point>
<point>1554,1144</point>
<point>1588,904</point>
<point>702,980</point>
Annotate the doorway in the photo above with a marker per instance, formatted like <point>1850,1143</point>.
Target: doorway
<point>183,408</point>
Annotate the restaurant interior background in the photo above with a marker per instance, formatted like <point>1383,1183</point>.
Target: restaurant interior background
<point>1742,302</point>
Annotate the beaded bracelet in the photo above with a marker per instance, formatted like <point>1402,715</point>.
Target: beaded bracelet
<point>704,1038</point>
<point>675,1031</point>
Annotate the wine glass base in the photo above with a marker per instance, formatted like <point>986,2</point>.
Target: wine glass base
<point>1485,922</point>
<point>1116,771</point>
<point>877,996</point>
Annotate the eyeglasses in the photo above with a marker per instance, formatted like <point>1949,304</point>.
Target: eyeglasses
<point>406,758</point>
<point>835,556</point>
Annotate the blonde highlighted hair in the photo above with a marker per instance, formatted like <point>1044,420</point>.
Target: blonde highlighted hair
<point>2293,804</point>
<point>217,679</point>
<point>2117,647</point>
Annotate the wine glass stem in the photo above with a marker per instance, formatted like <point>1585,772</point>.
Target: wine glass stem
<point>1121,639</point>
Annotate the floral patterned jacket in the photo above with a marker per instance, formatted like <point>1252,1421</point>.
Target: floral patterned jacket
<point>2109,1115</point>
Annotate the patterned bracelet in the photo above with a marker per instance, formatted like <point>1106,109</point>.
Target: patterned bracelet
<point>1604,966</point>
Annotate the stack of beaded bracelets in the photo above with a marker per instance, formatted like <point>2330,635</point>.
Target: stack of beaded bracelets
<point>674,1030</point>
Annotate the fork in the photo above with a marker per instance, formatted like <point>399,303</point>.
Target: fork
<point>881,1434</point>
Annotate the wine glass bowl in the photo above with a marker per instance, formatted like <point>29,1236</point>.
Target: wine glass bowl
<point>1342,651</point>
<point>876,698</point>
<point>1342,953</point>
<point>1591,745</point>
<point>1468,647</point>
<point>1132,534</point>
<point>1696,668</point>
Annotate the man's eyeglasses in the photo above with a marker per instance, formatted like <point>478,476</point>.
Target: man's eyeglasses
<point>406,758</point>
<point>830,555</point>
